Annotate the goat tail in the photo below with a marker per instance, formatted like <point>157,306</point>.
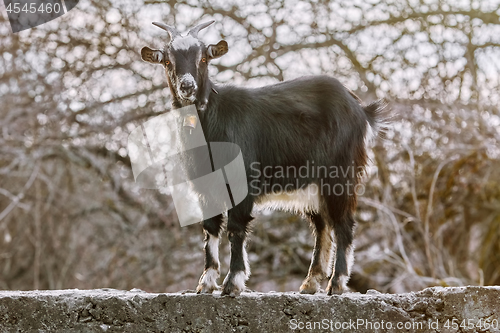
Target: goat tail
<point>377,114</point>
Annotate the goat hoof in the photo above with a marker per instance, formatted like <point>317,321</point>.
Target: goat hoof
<point>231,290</point>
<point>232,293</point>
<point>307,291</point>
<point>234,284</point>
<point>334,289</point>
<point>309,286</point>
<point>331,292</point>
<point>208,281</point>
<point>205,289</point>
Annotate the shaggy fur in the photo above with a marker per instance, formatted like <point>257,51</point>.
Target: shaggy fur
<point>309,122</point>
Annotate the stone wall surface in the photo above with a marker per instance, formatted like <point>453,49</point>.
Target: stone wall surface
<point>459,309</point>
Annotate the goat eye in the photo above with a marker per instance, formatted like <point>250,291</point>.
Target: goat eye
<point>204,59</point>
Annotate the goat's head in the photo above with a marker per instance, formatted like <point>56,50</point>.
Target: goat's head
<point>185,59</point>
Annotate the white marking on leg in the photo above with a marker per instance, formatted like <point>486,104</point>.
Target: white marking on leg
<point>213,248</point>
<point>312,283</point>
<point>350,259</point>
<point>333,257</point>
<point>326,251</point>
<point>245,261</point>
<point>239,280</point>
<point>343,279</point>
<point>349,254</point>
<point>208,281</point>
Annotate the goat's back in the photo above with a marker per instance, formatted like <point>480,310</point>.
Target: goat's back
<point>288,123</point>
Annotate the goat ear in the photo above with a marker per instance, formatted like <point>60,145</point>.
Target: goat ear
<point>216,51</point>
<point>152,56</point>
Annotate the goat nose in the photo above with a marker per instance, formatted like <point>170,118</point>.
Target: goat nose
<point>187,85</point>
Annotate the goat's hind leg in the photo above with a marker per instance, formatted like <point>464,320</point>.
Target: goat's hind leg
<point>344,230</point>
<point>320,262</point>
<point>208,280</point>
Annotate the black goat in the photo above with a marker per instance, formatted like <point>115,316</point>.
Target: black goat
<point>312,123</point>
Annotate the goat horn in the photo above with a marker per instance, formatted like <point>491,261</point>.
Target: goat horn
<point>171,30</point>
<point>194,31</point>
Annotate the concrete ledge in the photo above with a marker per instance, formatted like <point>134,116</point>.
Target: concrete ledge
<point>135,311</point>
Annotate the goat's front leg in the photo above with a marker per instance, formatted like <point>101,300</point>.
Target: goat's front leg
<point>208,280</point>
<point>239,270</point>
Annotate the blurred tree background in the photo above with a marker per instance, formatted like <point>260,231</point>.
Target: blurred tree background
<point>72,90</point>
